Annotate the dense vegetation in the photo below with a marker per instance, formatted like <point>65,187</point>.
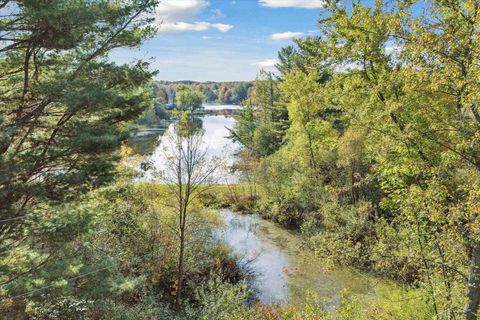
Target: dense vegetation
<point>366,141</point>
<point>377,160</point>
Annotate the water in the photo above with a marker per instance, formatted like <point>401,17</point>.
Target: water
<point>215,143</point>
<point>217,118</point>
<point>258,254</point>
<point>222,107</point>
<point>284,271</point>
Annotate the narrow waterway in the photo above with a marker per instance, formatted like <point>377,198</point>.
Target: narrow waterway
<point>284,271</point>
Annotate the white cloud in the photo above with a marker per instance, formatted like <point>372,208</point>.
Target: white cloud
<point>306,4</point>
<point>286,35</point>
<point>268,63</point>
<point>176,16</point>
<point>175,10</point>
<point>193,26</point>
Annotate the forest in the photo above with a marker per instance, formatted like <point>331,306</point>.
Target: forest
<point>363,145</point>
<point>234,92</point>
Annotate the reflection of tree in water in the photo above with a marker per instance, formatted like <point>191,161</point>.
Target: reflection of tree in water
<point>143,145</point>
<point>189,124</point>
<point>222,112</point>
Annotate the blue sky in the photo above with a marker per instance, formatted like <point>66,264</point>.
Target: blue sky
<point>222,40</point>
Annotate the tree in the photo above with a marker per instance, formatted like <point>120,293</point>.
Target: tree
<point>288,60</point>
<point>186,172</point>
<point>160,92</point>
<point>244,128</point>
<point>222,90</point>
<point>425,94</point>
<point>264,116</point>
<point>64,109</point>
<point>227,96</point>
<point>187,98</point>
<point>383,138</point>
<point>240,93</point>
<point>210,96</point>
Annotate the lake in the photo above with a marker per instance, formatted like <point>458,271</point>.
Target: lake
<point>149,143</point>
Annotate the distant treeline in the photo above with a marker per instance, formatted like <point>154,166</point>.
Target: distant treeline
<point>235,92</point>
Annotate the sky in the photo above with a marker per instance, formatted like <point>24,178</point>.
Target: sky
<point>222,40</point>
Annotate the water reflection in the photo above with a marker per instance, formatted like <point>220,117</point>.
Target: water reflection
<point>215,143</point>
<point>222,107</point>
<point>257,254</point>
<point>144,143</point>
<point>188,126</point>
<point>283,271</point>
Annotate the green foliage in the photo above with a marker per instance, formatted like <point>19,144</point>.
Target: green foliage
<point>244,127</point>
<point>153,116</point>
<point>367,141</point>
<point>148,118</point>
<point>263,121</point>
<point>65,111</point>
<point>240,92</point>
<point>188,99</point>
<point>229,304</point>
<point>145,309</point>
<point>224,301</point>
<point>118,259</point>
<point>161,93</point>
<point>61,308</point>
<point>379,165</point>
<point>290,194</point>
<point>347,234</point>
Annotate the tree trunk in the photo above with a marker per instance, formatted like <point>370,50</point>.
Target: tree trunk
<point>180,270</point>
<point>473,292</point>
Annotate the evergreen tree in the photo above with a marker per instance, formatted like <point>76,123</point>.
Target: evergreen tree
<point>63,114</point>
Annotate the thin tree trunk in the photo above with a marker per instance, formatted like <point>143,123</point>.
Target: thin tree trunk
<point>180,270</point>
<point>427,270</point>
<point>190,172</point>
<point>473,292</point>
<point>446,279</point>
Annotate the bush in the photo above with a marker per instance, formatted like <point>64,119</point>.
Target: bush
<point>219,301</point>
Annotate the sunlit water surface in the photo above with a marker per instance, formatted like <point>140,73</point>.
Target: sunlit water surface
<point>216,145</point>
<point>284,271</point>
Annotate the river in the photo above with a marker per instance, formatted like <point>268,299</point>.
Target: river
<point>282,270</point>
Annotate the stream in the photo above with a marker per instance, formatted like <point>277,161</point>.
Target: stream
<point>284,271</point>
